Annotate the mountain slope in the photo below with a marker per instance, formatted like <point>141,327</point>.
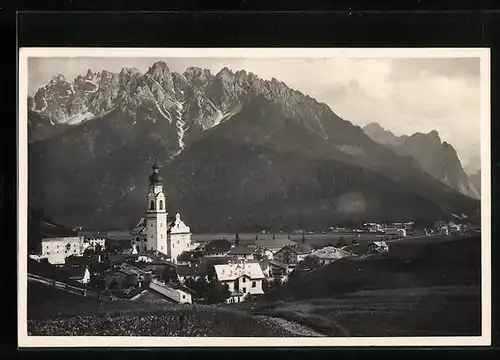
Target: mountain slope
<point>295,157</point>
<point>437,158</point>
<point>476,180</point>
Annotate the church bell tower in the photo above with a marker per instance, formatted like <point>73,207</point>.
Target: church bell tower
<point>156,213</point>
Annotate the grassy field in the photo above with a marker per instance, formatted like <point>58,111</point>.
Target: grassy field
<point>52,312</point>
<point>422,287</point>
<point>448,311</point>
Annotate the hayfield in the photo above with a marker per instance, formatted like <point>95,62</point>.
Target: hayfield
<point>448,311</point>
<point>422,287</point>
<point>52,312</point>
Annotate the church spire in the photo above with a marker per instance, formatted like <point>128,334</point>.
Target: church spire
<point>155,178</point>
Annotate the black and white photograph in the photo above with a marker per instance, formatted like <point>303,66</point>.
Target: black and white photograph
<point>254,197</point>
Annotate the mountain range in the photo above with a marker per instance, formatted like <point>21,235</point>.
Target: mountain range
<point>437,158</point>
<point>238,153</point>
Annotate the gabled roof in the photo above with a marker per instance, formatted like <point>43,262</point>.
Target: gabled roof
<point>181,287</point>
<point>299,249</point>
<point>274,244</point>
<point>189,256</point>
<point>241,250</point>
<point>234,271</point>
<point>331,253</point>
<point>217,246</point>
<point>302,249</point>
<point>131,270</point>
<point>277,264</point>
<point>191,270</point>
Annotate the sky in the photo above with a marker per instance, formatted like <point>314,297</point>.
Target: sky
<point>404,95</point>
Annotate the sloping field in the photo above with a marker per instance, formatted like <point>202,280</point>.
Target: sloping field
<point>448,311</point>
<point>52,312</point>
<point>428,287</point>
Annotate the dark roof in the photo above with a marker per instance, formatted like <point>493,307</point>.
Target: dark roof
<point>180,287</point>
<point>277,264</point>
<point>118,258</point>
<point>75,272</point>
<point>77,260</point>
<point>302,248</point>
<point>194,270</point>
<point>189,256</point>
<point>241,250</point>
<point>274,243</point>
<point>217,246</point>
<point>217,260</point>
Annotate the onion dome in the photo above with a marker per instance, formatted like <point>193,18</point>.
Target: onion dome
<point>155,177</point>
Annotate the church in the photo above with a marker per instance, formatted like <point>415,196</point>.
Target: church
<point>157,231</point>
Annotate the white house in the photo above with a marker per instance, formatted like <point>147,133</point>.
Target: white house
<point>155,231</point>
<point>56,250</point>
<point>242,279</point>
<point>379,246</point>
<point>330,254</point>
<point>93,238</point>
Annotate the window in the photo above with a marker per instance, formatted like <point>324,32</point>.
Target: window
<point>244,280</point>
<point>136,239</point>
<point>254,284</point>
<point>161,247</point>
<point>151,225</point>
<point>183,296</point>
<point>152,205</point>
<point>244,290</point>
<point>161,224</point>
<point>161,204</point>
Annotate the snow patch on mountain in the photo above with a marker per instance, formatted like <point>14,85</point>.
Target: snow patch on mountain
<point>163,112</point>
<point>79,118</point>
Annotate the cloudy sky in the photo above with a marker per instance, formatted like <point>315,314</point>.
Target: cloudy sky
<point>403,95</point>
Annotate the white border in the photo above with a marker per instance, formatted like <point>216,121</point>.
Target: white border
<point>55,341</point>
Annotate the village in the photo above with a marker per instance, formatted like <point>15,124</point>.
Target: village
<point>159,256</point>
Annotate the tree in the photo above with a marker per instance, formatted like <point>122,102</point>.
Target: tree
<point>303,237</point>
<point>217,292</point>
<point>98,248</point>
<point>169,274</point>
<point>309,263</point>
<point>237,238</point>
<point>341,242</point>
<point>274,236</point>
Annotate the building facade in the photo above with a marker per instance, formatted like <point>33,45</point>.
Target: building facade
<point>56,250</point>
<point>241,279</point>
<point>155,231</point>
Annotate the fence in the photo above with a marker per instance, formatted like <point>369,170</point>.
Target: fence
<point>63,286</point>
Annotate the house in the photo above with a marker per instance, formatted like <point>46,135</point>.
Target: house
<point>394,232</point>
<point>117,259</point>
<point>330,254</point>
<point>219,247</point>
<point>277,269</point>
<point>57,249</point>
<point>172,291</point>
<point>241,279</point>
<point>93,238</point>
<point>264,265</point>
<point>192,271</point>
<point>135,276</point>
<point>292,255</point>
<point>242,252</point>
<point>75,261</point>
<point>274,245</point>
<point>189,257</point>
<point>378,247</point>
<point>80,274</point>
<point>372,227</point>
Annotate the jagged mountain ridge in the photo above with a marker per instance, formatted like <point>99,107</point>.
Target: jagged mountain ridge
<point>437,158</point>
<point>94,173</point>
